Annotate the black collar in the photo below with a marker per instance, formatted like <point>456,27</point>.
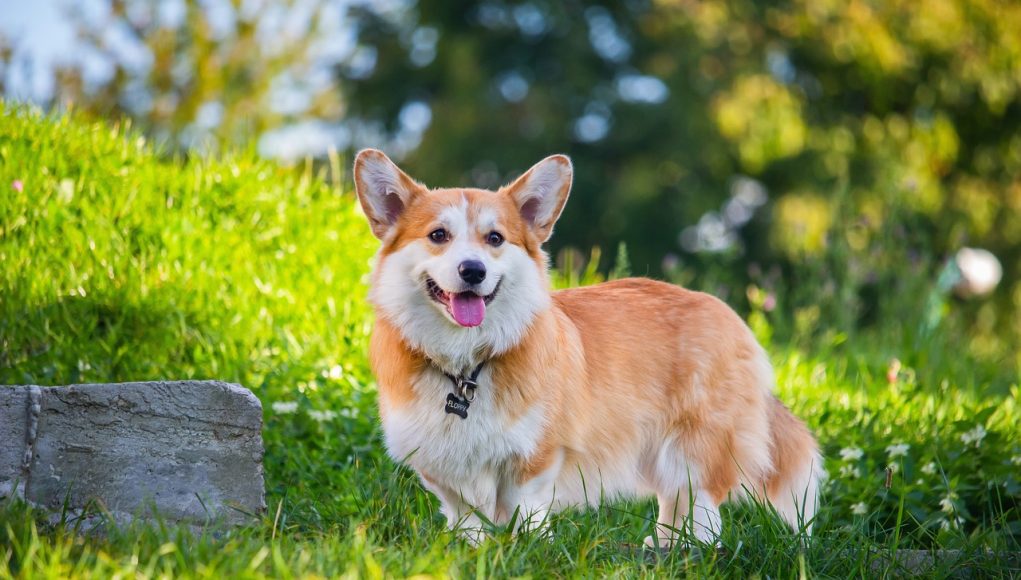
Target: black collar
<point>465,386</point>
<point>464,390</point>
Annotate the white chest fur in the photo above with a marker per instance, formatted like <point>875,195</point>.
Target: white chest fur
<point>448,448</point>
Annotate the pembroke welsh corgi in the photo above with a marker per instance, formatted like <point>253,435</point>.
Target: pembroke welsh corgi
<point>510,400</point>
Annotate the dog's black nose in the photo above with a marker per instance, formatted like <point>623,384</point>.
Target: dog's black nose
<point>472,271</point>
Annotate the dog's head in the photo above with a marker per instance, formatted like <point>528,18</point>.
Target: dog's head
<point>460,268</point>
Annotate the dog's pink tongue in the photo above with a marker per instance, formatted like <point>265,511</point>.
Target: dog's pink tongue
<point>467,308</point>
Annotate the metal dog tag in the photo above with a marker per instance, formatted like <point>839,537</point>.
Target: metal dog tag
<point>457,406</point>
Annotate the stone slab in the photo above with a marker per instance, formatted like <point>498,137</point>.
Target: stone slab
<point>13,423</point>
<point>190,449</point>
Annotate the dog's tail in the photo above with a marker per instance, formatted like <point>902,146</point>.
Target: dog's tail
<point>793,486</point>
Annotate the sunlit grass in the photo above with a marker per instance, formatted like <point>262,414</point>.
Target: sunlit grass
<point>116,265</point>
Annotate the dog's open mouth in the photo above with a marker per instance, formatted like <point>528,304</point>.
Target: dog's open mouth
<point>466,308</point>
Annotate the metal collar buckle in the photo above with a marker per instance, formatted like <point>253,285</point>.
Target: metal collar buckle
<point>466,388</point>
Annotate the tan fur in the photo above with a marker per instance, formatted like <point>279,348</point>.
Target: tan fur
<point>627,373</point>
<point>420,217</point>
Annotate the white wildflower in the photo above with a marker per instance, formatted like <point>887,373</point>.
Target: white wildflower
<point>947,503</point>
<point>284,407</point>
<point>860,509</point>
<point>850,471</point>
<point>1016,460</point>
<point>322,416</point>
<point>349,413</point>
<point>975,436</point>
<point>929,468</point>
<point>851,453</point>
<point>898,450</point>
<point>945,525</point>
<point>336,372</point>
<point>893,467</point>
<point>980,272</point>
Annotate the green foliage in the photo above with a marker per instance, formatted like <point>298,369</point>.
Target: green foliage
<point>156,269</point>
<point>117,265</point>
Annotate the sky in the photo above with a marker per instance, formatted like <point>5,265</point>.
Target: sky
<point>43,37</point>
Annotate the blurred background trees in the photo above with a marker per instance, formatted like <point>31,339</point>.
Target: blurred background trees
<point>200,75</point>
<point>830,156</point>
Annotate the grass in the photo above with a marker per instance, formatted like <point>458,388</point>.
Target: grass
<point>117,264</point>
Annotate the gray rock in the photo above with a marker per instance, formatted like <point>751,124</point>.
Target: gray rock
<point>190,449</point>
<point>13,423</point>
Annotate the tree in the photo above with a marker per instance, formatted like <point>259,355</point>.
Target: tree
<point>883,133</point>
<point>200,74</point>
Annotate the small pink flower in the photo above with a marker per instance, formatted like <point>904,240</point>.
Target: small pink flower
<point>17,185</point>
<point>769,303</point>
<point>892,371</point>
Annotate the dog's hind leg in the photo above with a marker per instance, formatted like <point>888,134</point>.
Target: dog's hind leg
<point>683,515</point>
<point>686,510</point>
<point>793,487</point>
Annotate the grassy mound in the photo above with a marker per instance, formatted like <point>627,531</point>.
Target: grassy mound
<point>117,264</point>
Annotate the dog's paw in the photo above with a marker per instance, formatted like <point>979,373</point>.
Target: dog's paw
<point>542,532</point>
<point>473,536</point>
<point>658,543</point>
<point>667,544</point>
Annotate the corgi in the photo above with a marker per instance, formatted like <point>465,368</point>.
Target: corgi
<point>511,401</point>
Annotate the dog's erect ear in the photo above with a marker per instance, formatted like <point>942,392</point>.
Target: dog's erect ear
<point>541,193</point>
<point>383,189</point>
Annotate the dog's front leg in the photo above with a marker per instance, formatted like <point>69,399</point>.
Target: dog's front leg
<point>531,492</point>
<point>463,505</point>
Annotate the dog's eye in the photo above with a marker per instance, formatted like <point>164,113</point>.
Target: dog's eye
<point>439,236</point>
<point>494,239</point>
